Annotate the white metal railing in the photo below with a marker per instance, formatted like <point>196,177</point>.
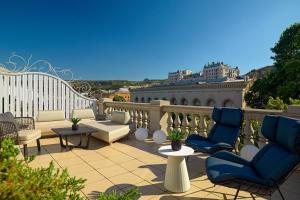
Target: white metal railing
<point>24,94</point>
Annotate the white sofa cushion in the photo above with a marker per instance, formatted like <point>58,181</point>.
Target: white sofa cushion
<point>120,117</point>
<point>27,135</point>
<point>50,115</point>
<point>46,127</point>
<point>83,113</point>
<point>108,131</point>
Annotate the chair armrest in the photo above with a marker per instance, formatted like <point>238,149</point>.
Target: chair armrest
<point>8,130</point>
<point>222,146</point>
<point>225,155</point>
<point>25,122</point>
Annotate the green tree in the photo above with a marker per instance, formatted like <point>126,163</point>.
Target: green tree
<point>284,80</point>
<point>19,181</point>
<point>119,98</point>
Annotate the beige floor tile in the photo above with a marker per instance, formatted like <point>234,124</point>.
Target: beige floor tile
<point>91,176</point>
<point>63,155</point>
<point>100,164</point>
<point>112,171</point>
<point>108,152</point>
<point>147,190</point>
<point>120,158</point>
<point>124,180</point>
<point>132,165</point>
<point>190,193</point>
<point>79,169</point>
<point>70,162</point>
<point>93,156</point>
<point>149,174</point>
<point>92,190</point>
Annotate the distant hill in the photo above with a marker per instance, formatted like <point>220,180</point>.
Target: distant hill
<point>97,85</point>
<point>259,73</point>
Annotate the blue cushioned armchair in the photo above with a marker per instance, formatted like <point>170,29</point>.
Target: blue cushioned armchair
<point>271,165</point>
<point>223,134</point>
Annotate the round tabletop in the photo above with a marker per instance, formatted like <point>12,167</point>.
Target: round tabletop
<point>167,151</point>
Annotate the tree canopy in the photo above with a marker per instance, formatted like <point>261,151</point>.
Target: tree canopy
<point>284,80</point>
<point>119,98</point>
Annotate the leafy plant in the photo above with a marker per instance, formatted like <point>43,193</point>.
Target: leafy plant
<point>176,135</point>
<point>294,101</point>
<point>75,120</point>
<point>276,104</point>
<point>19,181</point>
<point>131,194</point>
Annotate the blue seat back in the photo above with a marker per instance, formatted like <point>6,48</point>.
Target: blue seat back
<point>227,126</point>
<point>276,159</point>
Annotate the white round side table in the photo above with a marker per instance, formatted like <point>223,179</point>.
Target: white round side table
<point>176,177</point>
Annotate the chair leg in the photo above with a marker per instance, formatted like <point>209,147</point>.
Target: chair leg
<point>252,196</point>
<point>282,197</point>
<point>25,150</point>
<point>38,145</point>
<point>237,192</point>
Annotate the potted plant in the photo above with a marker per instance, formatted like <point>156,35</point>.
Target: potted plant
<point>176,136</point>
<point>75,122</point>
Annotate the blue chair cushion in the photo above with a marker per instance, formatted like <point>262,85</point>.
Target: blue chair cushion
<point>198,142</point>
<point>225,134</point>
<point>232,117</point>
<point>269,126</point>
<point>288,127</point>
<point>273,162</point>
<point>216,114</point>
<point>220,170</point>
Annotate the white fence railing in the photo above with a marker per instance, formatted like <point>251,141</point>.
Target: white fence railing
<point>24,94</point>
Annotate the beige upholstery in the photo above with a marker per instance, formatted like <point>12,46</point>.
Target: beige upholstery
<point>46,127</point>
<point>83,114</point>
<point>26,136</point>
<point>108,131</point>
<point>120,117</point>
<point>50,115</point>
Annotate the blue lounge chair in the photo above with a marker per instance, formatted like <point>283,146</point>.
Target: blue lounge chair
<point>223,134</point>
<point>269,168</point>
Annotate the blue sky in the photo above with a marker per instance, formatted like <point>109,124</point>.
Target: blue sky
<point>140,39</point>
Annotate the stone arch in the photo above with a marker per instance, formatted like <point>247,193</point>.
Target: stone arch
<point>196,102</point>
<point>228,103</point>
<point>173,101</point>
<point>211,102</point>
<point>184,101</point>
<point>143,100</point>
<point>149,99</point>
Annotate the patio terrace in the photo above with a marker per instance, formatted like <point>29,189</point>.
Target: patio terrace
<point>129,163</point>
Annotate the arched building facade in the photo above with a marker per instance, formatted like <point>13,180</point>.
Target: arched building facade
<point>227,94</point>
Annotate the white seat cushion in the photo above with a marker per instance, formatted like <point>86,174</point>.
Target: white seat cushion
<point>83,114</point>
<point>120,117</point>
<point>108,131</point>
<point>50,115</point>
<point>27,135</point>
<point>46,127</point>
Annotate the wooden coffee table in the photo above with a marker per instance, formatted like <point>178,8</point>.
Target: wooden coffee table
<point>66,132</point>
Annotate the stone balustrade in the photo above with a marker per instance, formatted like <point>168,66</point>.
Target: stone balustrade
<point>159,114</point>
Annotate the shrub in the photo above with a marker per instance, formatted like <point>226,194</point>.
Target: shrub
<point>19,181</point>
<point>276,104</point>
<point>131,194</point>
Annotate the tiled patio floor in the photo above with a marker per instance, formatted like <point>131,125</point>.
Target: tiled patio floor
<point>129,163</point>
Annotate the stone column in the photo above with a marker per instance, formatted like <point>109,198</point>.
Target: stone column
<point>158,119</point>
